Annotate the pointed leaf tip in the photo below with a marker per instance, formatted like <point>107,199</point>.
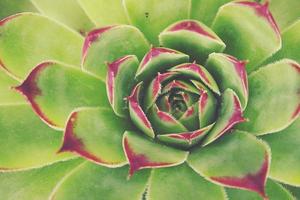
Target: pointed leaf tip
<point>30,90</point>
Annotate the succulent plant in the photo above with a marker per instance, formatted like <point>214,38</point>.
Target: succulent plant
<point>158,100</point>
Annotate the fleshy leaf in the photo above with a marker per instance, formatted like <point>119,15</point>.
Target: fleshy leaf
<point>10,7</point>
<point>159,59</point>
<point>54,90</point>
<point>154,88</point>
<point>230,114</point>
<point>290,44</point>
<point>108,44</point>
<point>222,66</point>
<point>285,154</point>
<point>285,12</point>
<point>186,139</point>
<point>199,73</point>
<point>7,94</point>
<point>274,191</point>
<point>103,12</point>
<point>152,16</point>
<point>118,83</point>
<point>190,118</point>
<point>180,183</point>
<point>35,184</point>
<point>205,11</point>
<point>26,141</point>
<point>96,134</point>
<point>22,47</point>
<point>207,105</point>
<point>164,122</point>
<point>142,153</point>
<point>68,12</point>
<point>182,85</point>
<point>193,38</point>
<point>274,98</point>
<point>92,181</point>
<point>248,30</point>
<point>137,114</point>
<point>239,160</point>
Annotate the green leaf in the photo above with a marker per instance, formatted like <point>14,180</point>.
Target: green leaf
<point>104,13</point>
<point>274,101</point>
<point>145,153</point>
<point>54,90</point>
<point>285,12</point>
<point>285,154</point>
<point>118,83</point>
<point>197,72</point>
<point>238,160</point>
<point>185,139</point>
<point>230,114</point>
<point>152,16</point>
<point>92,182</point>
<point>159,59</point>
<point>290,44</point>
<point>68,12</point>
<point>25,140</point>
<point>22,47</point>
<point>96,134</point>
<point>193,38</point>
<point>7,94</point>
<point>181,182</point>
<point>248,30</point>
<point>137,114</point>
<point>108,44</point>
<point>205,11</point>
<point>35,184</point>
<point>274,191</point>
<point>295,191</point>
<point>222,66</point>
<point>10,7</point>
<point>163,122</point>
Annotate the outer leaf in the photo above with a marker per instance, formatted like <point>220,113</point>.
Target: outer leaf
<point>54,90</point>
<point>96,134</point>
<point>35,184</point>
<point>180,183</point>
<point>68,12</point>
<point>23,47</point>
<point>92,182</point>
<point>285,154</point>
<point>290,44</point>
<point>249,31</point>
<point>294,190</point>
<point>118,83</point>
<point>108,44</point>
<point>25,140</point>
<point>10,7</point>
<point>285,12</point>
<point>152,16</point>
<point>193,38</point>
<point>104,13</point>
<point>205,11</point>
<point>222,66</point>
<point>142,153</point>
<point>159,59</point>
<point>238,160</point>
<point>230,114</point>
<point>7,94</point>
<point>274,99</point>
<point>274,191</point>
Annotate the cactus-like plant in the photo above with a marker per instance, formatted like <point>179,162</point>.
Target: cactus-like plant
<point>154,100</point>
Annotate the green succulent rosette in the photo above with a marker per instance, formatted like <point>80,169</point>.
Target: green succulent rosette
<point>153,100</point>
